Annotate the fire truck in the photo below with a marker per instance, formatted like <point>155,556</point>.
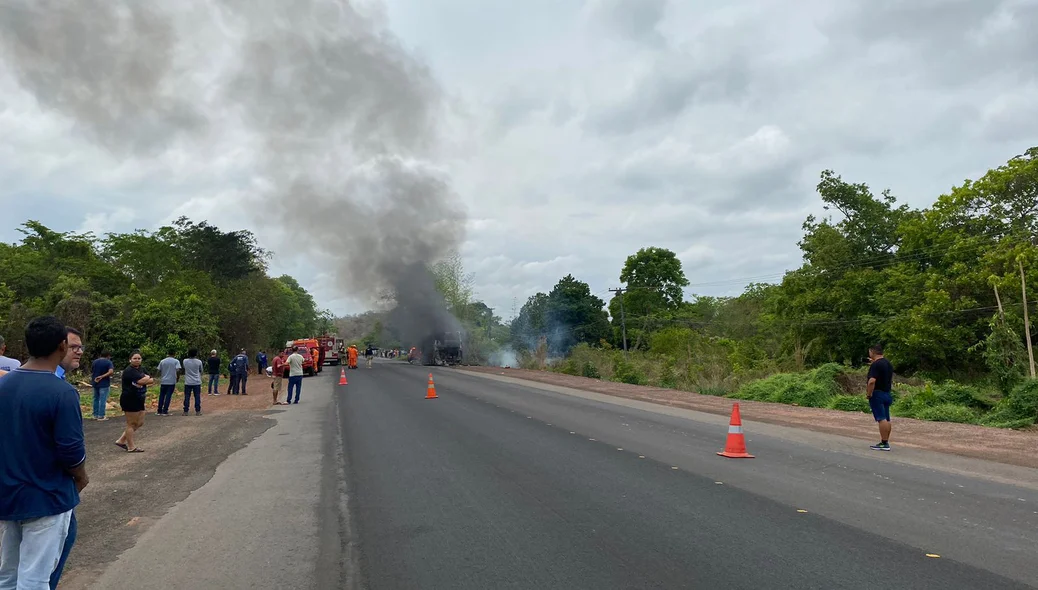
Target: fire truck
<point>311,363</point>
<point>330,345</point>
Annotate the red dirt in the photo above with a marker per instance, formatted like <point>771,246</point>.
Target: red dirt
<point>1014,447</point>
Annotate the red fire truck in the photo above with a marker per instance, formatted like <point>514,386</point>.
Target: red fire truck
<point>330,345</point>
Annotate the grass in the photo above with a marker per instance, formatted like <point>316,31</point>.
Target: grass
<point>831,386</point>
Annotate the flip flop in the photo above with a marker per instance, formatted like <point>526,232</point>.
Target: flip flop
<point>136,450</point>
<point>122,446</point>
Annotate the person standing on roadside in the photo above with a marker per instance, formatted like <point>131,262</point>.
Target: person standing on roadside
<point>73,356</point>
<point>277,370</point>
<point>193,381</point>
<point>261,362</point>
<point>7,363</point>
<point>213,365</point>
<point>131,402</point>
<point>295,375</point>
<point>240,370</point>
<point>878,391</point>
<point>169,368</point>
<point>101,371</point>
<point>369,354</point>
<point>42,463</point>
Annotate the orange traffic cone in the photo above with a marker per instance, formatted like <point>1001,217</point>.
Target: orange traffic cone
<point>342,377</point>
<point>735,447</point>
<point>430,391</point>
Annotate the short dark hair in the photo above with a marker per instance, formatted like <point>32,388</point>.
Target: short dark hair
<point>192,352</point>
<point>106,353</point>
<point>43,336</point>
<point>70,330</point>
<point>171,353</point>
<point>876,348</point>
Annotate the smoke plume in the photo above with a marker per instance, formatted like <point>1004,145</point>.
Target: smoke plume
<point>337,122</point>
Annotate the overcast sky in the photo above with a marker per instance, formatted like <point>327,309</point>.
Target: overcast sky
<point>583,131</point>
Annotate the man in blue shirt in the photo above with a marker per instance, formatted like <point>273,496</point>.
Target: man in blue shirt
<point>101,372</point>
<point>239,373</point>
<point>261,362</point>
<point>42,462</point>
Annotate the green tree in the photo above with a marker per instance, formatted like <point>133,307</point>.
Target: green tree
<point>573,315</point>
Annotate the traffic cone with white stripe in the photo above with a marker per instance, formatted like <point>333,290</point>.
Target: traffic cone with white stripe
<point>735,447</point>
<point>430,389</point>
<point>342,377</point>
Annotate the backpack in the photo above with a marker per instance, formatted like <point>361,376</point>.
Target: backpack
<point>236,365</point>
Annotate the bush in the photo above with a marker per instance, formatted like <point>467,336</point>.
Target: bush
<point>909,401</point>
<point>948,413</point>
<point>668,378</point>
<point>567,367</point>
<point>1018,409</point>
<point>815,388</point>
<point>624,372</point>
<point>590,370</point>
<point>951,392</point>
<point>850,403</point>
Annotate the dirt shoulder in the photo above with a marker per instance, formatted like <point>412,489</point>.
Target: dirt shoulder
<point>130,491</point>
<point>1012,447</point>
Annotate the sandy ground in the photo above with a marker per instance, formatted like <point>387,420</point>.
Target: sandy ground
<point>128,492</point>
<point>994,444</point>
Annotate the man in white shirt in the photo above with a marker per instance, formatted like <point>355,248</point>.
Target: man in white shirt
<point>193,381</point>
<point>169,368</point>
<point>295,374</point>
<point>7,363</point>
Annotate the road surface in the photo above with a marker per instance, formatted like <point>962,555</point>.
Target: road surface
<point>499,484</point>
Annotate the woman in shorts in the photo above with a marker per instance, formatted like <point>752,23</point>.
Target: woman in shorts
<point>135,389</point>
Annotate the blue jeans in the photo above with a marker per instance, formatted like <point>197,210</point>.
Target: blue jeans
<point>66,549</point>
<point>297,383</point>
<point>33,552</point>
<point>214,383</point>
<point>100,401</point>
<point>165,397</point>
<point>197,390</point>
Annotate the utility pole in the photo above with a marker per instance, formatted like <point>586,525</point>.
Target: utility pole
<point>1027,321</point>
<point>623,320</point>
<point>490,320</point>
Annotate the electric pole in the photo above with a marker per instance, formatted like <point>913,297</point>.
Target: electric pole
<point>623,320</point>
<point>1027,320</point>
<point>490,320</point>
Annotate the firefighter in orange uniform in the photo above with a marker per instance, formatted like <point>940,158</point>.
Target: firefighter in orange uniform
<point>353,356</point>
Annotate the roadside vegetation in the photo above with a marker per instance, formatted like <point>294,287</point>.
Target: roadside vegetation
<point>944,289</point>
<point>184,285</point>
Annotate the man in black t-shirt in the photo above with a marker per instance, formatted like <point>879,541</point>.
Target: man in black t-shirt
<point>880,378</point>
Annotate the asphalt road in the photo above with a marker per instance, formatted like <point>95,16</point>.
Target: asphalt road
<point>499,485</point>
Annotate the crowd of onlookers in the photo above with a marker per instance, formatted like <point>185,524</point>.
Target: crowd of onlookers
<point>42,448</point>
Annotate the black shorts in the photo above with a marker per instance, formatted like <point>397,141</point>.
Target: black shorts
<point>131,402</point>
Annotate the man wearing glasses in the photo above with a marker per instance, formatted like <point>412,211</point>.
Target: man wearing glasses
<point>75,353</point>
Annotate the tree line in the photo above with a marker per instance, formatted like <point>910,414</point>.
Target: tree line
<point>941,287</point>
<point>184,285</point>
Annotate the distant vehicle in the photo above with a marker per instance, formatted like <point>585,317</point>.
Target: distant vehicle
<point>442,349</point>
